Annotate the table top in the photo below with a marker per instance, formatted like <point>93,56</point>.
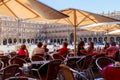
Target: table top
<point>76,57</point>
<point>39,62</point>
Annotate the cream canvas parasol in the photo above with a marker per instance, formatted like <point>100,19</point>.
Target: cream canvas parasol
<point>81,18</point>
<point>29,9</point>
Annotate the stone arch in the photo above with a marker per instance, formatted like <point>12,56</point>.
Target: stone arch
<point>112,39</point>
<point>32,40</point>
<point>65,39</point>
<point>105,39</point>
<point>100,41</point>
<point>20,40</point>
<point>15,40</point>
<point>36,41</point>
<point>118,39</point>
<point>90,39</point>
<point>58,41</point>
<point>51,40</point>
<point>28,40</point>
<point>85,39</point>
<point>5,41</point>
<point>62,40</point>
<point>24,40</point>
<point>94,39</point>
<point>10,41</point>
<point>55,40</point>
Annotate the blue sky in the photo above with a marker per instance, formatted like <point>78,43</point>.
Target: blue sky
<point>96,6</point>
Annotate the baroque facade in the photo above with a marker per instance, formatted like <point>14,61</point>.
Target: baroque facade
<point>14,31</point>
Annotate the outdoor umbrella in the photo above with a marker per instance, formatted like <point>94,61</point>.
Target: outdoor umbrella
<point>114,32</point>
<point>80,18</point>
<point>106,27</point>
<point>29,9</point>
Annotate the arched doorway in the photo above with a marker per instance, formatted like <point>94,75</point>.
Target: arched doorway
<point>105,39</point>
<point>24,40</point>
<point>112,39</point>
<point>71,39</point>
<point>85,39</point>
<point>32,40</point>
<point>65,39</point>
<point>118,39</point>
<point>90,39</point>
<point>28,40</point>
<point>36,41</point>
<point>51,41</point>
<point>58,41</point>
<point>61,40</point>
<point>10,41</point>
<point>100,41</point>
<point>4,41</point>
<point>20,40</point>
<point>55,41</point>
<point>15,40</point>
<point>95,40</point>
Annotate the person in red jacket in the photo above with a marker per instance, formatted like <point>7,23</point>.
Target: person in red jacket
<point>64,50</point>
<point>23,51</point>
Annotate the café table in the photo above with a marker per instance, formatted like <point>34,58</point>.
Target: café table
<point>71,61</point>
<point>37,64</point>
<point>27,68</point>
<point>111,72</point>
<point>42,66</point>
<point>79,57</point>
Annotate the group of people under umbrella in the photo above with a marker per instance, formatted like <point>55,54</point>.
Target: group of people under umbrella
<point>109,49</point>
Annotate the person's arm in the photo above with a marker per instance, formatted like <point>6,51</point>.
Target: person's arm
<point>88,49</point>
<point>27,53</point>
<point>83,51</point>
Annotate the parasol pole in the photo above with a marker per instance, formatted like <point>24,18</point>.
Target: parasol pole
<point>18,27</point>
<point>75,53</point>
<point>108,40</point>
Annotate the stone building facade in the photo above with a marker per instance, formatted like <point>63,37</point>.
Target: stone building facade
<point>13,31</point>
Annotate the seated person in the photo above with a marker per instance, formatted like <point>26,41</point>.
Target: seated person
<point>23,51</point>
<point>45,48</point>
<point>104,50</point>
<point>112,50</point>
<point>81,50</point>
<point>64,50</point>
<point>90,49</point>
<point>38,49</point>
